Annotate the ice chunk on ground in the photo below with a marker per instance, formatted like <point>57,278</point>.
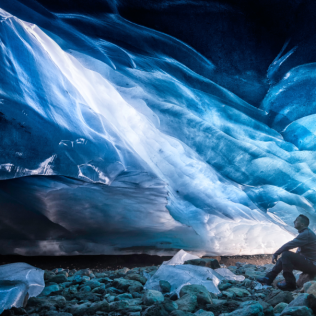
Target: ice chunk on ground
<point>180,275</point>
<point>228,275</point>
<point>180,257</point>
<point>18,281</point>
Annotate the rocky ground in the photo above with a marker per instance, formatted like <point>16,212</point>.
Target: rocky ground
<point>120,292</point>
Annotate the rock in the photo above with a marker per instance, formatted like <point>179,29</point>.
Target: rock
<point>311,289</point>
<point>48,275</point>
<point>217,302</point>
<point>92,297</point>
<point>49,289</point>
<point>92,283</point>
<point>58,300</point>
<point>136,277</point>
<point>307,285</point>
<point>303,278</point>
<point>102,306</point>
<point>202,312</point>
<point>247,283</point>
<point>85,289</point>
<point>187,303</point>
<point>59,278</point>
<point>240,292</point>
<point>78,310</point>
<point>298,311</point>
<point>251,273</point>
<point>55,313</point>
<point>155,310</point>
<point>278,309</point>
<point>151,297</point>
<point>311,299</point>
<point>135,288</point>
<point>202,294</point>
<point>118,305</point>
<point>124,284</point>
<point>99,290</point>
<point>165,286</point>
<point>100,275</point>
<point>251,308</point>
<point>84,272</point>
<point>229,294</point>
<point>210,263</point>
<point>170,305</point>
<point>224,286</point>
<point>267,308</point>
<point>180,313</point>
<point>277,296</point>
<point>136,295</point>
<point>125,296</point>
<point>134,314</point>
<point>300,300</point>
<point>110,298</point>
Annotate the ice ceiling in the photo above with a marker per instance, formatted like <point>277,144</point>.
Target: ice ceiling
<point>117,138</point>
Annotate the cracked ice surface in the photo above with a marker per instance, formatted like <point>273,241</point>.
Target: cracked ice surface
<point>139,152</point>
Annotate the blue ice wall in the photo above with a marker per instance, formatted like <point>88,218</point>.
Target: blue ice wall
<point>127,143</point>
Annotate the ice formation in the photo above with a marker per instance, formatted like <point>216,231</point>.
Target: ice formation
<point>18,282</point>
<point>122,143</point>
<point>179,274</point>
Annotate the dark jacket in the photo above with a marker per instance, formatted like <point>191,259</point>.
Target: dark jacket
<point>306,243</point>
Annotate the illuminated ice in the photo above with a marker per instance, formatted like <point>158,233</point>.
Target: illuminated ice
<point>106,148</point>
<point>18,282</point>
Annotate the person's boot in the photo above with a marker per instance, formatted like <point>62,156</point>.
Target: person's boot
<point>268,279</point>
<point>289,284</point>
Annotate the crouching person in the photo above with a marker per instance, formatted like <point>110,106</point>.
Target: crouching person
<point>303,260</point>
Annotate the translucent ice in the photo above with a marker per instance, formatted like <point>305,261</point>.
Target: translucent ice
<point>122,143</point>
<point>18,282</point>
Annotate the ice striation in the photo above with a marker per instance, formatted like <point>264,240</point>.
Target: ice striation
<point>125,143</point>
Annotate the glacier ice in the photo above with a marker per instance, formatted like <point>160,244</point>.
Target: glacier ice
<point>179,274</point>
<point>18,282</point>
<point>122,143</point>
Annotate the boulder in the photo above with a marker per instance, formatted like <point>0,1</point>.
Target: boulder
<point>49,289</point>
<point>204,262</point>
<point>78,310</point>
<point>267,308</point>
<point>151,297</point>
<point>169,305</point>
<point>118,305</point>
<point>240,292</point>
<point>202,294</point>
<point>187,303</point>
<point>122,297</point>
<point>249,308</point>
<point>59,278</point>
<point>92,283</point>
<point>48,275</point>
<point>135,288</point>
<point>307,285</point>
<point>102,306</point>
<point>202,312</point>
<point>303,278</point>
<point>224,286</point>
<point>298,311</point>
<point>136,277</point>
<point>85,289</point>
<point>124,284</point>
<point>300,300</point>
<point>278,309</point>
<point>165,286</point>
<point>311,289</point>
<point>83,272</point>
<point>155,310</point>
<point>278,296</point>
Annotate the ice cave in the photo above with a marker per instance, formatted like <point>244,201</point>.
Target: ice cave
<point>130,127</point>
